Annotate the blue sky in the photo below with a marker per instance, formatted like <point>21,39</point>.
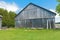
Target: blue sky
<point>48,4</point>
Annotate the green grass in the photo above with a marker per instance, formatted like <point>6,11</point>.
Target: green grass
<point>28,34</point>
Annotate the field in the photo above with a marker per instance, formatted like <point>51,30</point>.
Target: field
<point>29,34</point>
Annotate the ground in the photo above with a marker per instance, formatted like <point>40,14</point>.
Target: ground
<point>29,34</point>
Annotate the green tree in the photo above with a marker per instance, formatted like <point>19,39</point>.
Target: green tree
<point>1,11</point>
<point>12,18</point>
<point>8,18</point>
<point>58,0</point>
<point>5,18</point>
<point>58,7</point>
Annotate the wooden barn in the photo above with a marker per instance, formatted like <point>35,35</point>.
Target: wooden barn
<point>34,16</point>
<point>0,21</point>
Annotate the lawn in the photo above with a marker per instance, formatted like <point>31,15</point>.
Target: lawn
<point>28,34</point>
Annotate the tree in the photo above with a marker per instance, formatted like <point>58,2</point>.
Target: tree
<point>58,7</point>
<point>8,18</point>
<point>5,18</point>
<point>12,18</point>
<point>58,0</point>
<point>1,11</point>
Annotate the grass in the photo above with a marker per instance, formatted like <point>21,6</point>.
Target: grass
<point>29,34</point>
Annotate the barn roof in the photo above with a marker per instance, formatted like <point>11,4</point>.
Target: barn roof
<point>36,6</point>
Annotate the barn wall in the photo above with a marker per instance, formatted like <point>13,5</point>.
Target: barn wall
<point>38,23</point>
<point>33,13</point>
<point>0,22</point>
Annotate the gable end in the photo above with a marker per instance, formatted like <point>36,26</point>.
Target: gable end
<point>36,6</point>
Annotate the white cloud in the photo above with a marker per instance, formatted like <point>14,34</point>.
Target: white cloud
<point>9,6</point>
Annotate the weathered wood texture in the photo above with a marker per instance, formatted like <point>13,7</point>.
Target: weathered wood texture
<point>32,13</point>
<point>0,22</point>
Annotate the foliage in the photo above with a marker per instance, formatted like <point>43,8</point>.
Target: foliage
<point>58,7</point>
<point>8,17</point>
<point>11,18</point>
<point>58,0</point>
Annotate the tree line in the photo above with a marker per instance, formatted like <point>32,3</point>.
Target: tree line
<point>8,18</point>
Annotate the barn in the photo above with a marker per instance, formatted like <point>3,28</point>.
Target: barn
<point>0,21</point>
<point>34,16</point>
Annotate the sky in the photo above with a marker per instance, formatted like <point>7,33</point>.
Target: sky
<point>18,5</point>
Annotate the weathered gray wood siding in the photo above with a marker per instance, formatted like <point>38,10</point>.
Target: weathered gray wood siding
<point>33,12</point>
<point>0,22</point>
